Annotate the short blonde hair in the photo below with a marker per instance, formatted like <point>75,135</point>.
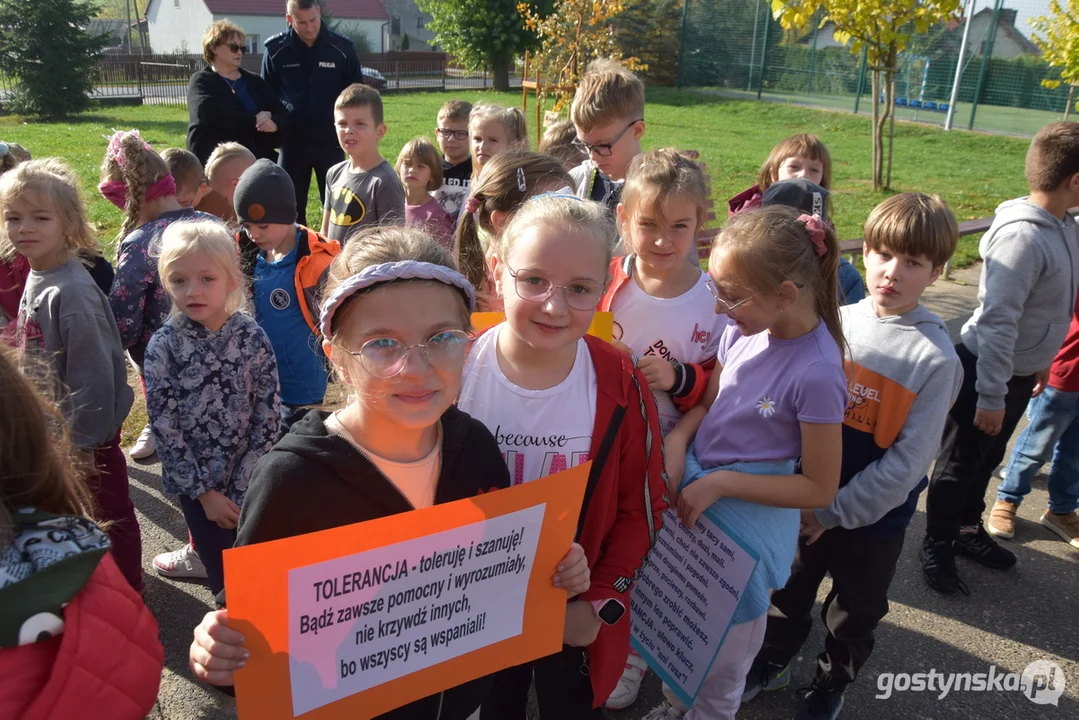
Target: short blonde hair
<point>207,236</point>
<point>225,153</point>
<point>217,35</point>
<point>422,151</point>
<point>915,224</point>
<point>53,182</point>
<point>558,143</point>
<point>607,91</point>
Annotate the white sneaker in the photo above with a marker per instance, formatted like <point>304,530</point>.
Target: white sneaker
<point>144,447</point>
<point>625,693</point>
<point>664,712</point>
<point>182,563</point>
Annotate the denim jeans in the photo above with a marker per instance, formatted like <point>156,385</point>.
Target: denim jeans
<point>1053,434</point>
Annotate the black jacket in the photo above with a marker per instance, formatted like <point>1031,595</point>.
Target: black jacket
<point>216,115</point>
<point>308,80</point>
<point>312,481</point>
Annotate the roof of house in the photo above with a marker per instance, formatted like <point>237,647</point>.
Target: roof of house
<point>340,9</point>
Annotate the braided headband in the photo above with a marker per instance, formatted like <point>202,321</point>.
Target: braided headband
<point>402,270</point>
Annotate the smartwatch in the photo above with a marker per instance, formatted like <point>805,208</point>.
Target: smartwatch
<point>608,611</point>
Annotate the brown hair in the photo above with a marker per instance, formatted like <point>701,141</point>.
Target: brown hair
<point>358,95</point>
<point>801,145</point>
<point>607,91</point>
<point>499,188</point>
<point>770,245</point>
<point>217,35</point>
<point>15,154</point>
<point>225,153</point>
<point>138,166</point>
<point>52,181</point>
<point>558,141</point>
<point>513,119</point>
<point>185,168</point>
<point>37,461</point>
<point>1053,157</point>
<point>421,150</point>
<point>455,110</point>
<point>914,224</point>
<point>657,175</point>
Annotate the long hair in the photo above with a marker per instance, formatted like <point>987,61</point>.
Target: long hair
<point>129,159</point>
<point>655,176</point>
<point>801,145</point>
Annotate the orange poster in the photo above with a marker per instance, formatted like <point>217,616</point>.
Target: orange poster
<point>602,323</point>
<point>359,620</point>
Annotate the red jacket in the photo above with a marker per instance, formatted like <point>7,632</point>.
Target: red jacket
<point>105,665</point>
<point>624,505</point>
<point>746,200</point>
<point>1064,373</point>
<point>13,276</point>
<point>691,379</point>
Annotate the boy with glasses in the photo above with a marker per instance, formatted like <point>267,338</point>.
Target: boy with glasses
<point>451,131</point>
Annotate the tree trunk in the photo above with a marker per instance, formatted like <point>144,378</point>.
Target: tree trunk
<point>1071,98</point>
<point>876,128</point>
<point>500,71</point>
<point>891,127</point>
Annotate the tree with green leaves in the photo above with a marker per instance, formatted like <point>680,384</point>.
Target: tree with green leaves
<point>481,33</point>
<point>49,55</point>
<point>1057,36</point>
<point>883,28</point>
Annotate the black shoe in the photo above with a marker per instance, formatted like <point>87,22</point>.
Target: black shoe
<point>984,550</point>
<point>765,676</point>
<point>938,564</point>
<point>819,700</point>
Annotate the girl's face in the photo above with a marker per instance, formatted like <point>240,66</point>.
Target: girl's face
<point>415,175</point>
<point>540,259</point>
<point>412,313</point>
<point>799,166</point>
<point>200,288</point>
<point>752,311</point>
<point>661,238</point>
<point>37,232</point>
<point>488,138</point>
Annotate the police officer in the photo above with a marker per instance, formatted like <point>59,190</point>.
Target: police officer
<point>308,66</point>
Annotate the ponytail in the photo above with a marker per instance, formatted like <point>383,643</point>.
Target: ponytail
<point>468,250</point>
<point>515,123</point>
<point>826,288</point>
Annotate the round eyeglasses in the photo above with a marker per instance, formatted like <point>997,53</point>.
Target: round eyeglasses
<point>534,286</point>
<point>728,307</point>
<point>386,357</point>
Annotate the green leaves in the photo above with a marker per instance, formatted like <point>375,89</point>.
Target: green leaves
<point>1057,36</point>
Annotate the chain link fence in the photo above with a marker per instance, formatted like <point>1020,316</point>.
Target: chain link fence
<point>735,48</point>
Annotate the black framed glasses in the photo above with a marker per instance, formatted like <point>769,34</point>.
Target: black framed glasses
<point>534,286</point>
<point>386,357</point>
<point>236,47</point>
<point>603,149</point>
<point>447,133</point>
<point>728,307</point>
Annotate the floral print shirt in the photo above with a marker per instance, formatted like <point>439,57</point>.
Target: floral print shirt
<point>213,402</point>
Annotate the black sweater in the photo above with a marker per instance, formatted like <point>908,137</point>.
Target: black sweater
<point>312,481</point>
<point>216,115</point>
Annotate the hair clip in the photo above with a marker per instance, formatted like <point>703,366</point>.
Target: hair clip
<point>522,184</point>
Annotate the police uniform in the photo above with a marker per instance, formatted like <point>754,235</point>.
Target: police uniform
<point>308,81</point>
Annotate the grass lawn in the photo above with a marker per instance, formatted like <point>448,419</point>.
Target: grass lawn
<point>973,172</point>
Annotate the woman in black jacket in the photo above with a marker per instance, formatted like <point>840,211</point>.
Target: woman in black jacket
<point>229,104</point>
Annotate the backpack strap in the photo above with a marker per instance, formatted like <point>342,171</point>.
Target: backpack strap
<point>599,462</point>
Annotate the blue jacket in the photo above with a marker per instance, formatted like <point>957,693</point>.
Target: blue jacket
<point>308,81</point>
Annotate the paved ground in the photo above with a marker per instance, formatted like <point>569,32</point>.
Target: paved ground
<point>1010,620</point>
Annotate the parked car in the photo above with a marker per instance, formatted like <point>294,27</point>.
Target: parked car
<point>373,77</point>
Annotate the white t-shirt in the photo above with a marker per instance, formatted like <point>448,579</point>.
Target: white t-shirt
<point>415,480</point>
<point>685,328</point>
<point>540,432</point>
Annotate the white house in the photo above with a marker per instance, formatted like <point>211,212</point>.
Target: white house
<point>178,25</point>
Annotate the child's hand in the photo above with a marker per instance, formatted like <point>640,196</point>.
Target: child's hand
<point>697,497</point>
<point>989,421</point>
<point>573,574</point>
<point>220,509</point>
<point>1041,381</point>
<point>674,452</point>
<point>582,625</point>
<point>811,528</point>
<point>658,372</point>
<point>217,651</point>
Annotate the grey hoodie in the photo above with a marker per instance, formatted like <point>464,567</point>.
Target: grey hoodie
<point>1025,296</point>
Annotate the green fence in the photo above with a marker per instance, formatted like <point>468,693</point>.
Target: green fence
<point>735,48</point>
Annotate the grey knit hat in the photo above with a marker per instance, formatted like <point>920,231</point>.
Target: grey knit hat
<point>265,194</point>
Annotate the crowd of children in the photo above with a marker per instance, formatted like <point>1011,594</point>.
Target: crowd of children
<point>756,389</point>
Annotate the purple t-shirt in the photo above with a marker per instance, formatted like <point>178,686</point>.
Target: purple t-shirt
<point>431,217</point>
<point>767,387</point>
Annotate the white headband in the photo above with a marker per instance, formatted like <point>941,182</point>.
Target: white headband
<point>402,270</point>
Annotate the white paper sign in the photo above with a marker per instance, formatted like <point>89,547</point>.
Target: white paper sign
<point>685,597</point>
<point>369,618</point>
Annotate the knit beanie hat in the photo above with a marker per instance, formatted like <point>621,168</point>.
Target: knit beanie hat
<point>265,194</point>
<point>800,194</point>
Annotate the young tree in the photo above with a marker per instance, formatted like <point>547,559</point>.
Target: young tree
<point>1058,38</point>
<point>884,29</point>
<point>51,57</point>
<point>480,33</point>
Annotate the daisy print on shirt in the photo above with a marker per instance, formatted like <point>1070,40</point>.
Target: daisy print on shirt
<point>766,406</point>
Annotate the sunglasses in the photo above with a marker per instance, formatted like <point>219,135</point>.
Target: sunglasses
<point>236,48</point>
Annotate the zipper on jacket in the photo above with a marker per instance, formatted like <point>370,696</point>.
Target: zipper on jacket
<point>441,698</point>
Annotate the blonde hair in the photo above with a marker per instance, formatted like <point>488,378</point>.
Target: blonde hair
<point>218,34</point>
<point>513,119</point>
<point>801,145</point>
<point>655,176</point>
<point>1053,156</point>
<point>607,91</point>
<point>53,182</point>
<point>207,236</point>
<point>567,214</point>
<point>914,224</point>
<point>770,245</point>
<point>420,150</point>
<point>498,188</point>
<point>185,168</point>
<point>225,153</point>
<point>558,141</point>
<point>136,165</point>
<point>455,111</point>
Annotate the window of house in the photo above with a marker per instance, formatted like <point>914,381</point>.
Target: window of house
<point>253,43</point>
<point>419,22</point>
<point>395,26</point>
